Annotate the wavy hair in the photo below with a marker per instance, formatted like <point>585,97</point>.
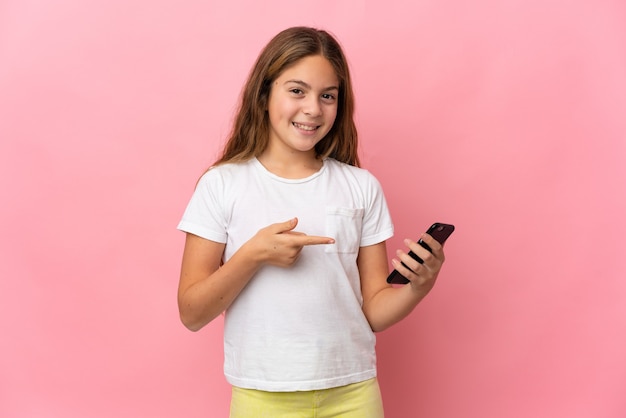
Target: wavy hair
<point>250,132</point>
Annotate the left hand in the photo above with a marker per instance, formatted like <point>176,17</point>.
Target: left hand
<point>423,276</point>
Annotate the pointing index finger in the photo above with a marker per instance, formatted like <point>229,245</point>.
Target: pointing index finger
<point>315,240</point>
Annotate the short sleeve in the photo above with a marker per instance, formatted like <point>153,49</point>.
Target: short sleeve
<point>377,223</point>
<point>205,214</point>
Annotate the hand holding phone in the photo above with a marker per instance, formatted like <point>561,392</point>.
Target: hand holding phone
<point>440,232</point>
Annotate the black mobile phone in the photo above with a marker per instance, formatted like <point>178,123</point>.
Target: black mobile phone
<point>439,232</point>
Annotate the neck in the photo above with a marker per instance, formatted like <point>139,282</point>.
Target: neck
<point>291,167</point>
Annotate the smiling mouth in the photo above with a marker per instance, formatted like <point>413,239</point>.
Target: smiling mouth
<point>304,127</point>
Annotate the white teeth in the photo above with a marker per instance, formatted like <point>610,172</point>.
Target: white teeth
<point>304,127</point>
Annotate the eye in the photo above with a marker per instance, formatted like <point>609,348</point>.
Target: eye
<point>296,91</point>
<point>328,97</point>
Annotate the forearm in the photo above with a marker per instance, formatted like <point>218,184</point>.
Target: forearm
<point>207,289</point>
<point>207,298</point>
<point>392,304</point>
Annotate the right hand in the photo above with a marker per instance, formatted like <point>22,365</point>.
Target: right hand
<point>279,245</point>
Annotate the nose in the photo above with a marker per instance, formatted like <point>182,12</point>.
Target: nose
<point>312,107</point>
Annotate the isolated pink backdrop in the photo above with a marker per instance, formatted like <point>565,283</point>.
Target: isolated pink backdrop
<point>504,118</point>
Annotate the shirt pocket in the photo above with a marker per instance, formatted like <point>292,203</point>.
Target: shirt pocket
<point>344,225</point>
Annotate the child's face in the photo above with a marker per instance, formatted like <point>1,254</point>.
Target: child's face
<point>302,105</point>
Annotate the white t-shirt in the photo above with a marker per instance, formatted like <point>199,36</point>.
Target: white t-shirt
<point>301,327</point>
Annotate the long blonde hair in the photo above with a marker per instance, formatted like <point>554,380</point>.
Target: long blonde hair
<point>250,132</point>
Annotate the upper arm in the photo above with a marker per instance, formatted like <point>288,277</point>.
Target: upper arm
<point>201,258</point>
<point>373,270</point>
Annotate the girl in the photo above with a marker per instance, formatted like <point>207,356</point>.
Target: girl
<point>286,234</point>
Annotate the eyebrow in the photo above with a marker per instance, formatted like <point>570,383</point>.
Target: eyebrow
<point>307,86</point>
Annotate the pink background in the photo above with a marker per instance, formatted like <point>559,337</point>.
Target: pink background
<point>507,119</point>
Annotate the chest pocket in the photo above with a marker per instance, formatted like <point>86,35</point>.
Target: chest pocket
<point>344,225</point>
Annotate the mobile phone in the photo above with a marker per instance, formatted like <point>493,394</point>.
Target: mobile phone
<point>440,232</point>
